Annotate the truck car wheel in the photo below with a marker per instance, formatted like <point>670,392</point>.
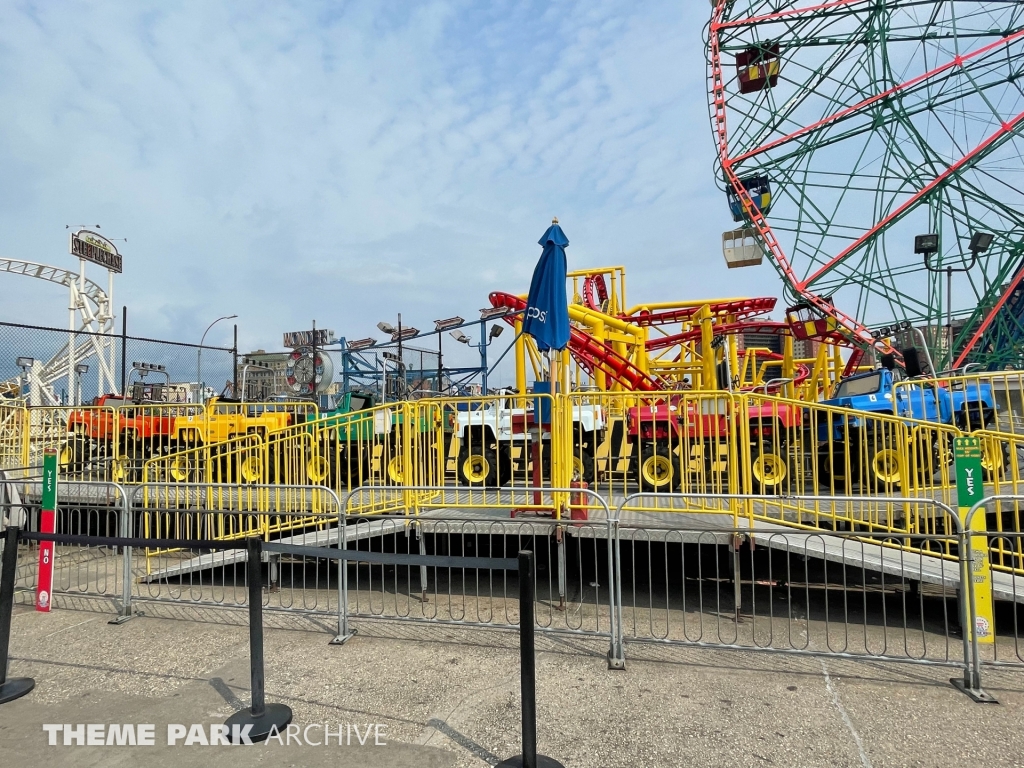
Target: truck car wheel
<point>250,467</point>
<point>394,471</point>
<point>832,469</point>
<point>354,466</point>
<point>392,464</point>
<point>995,456</point>
<point>135,456</point>
<point>934,454</point>
<point>769,470</point>
<point>658,470</point>
<point>583,467</point>
<point>119,470</point>
<point>478,467</point>
<point>320,464</point>
<point>183,468</point>
<point>73,456</point>
<point>885,466</point>
<point>318,469</point>
<point>974,416</point>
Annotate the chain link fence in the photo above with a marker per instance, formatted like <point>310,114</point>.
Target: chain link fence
<point>50,366</point>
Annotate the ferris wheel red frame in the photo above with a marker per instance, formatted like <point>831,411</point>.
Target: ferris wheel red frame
<point>802,286</point>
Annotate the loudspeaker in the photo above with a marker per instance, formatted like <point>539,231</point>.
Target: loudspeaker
<point>889,361</point>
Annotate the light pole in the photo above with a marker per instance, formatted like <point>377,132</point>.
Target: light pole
<point>246,365</point>
<point>440,326</point>
<point>199,356</point>
<point>928,246</point>
<point>26,363</point>
<point>482,345</point>
<point>81,369</point>
<point>398,334</point>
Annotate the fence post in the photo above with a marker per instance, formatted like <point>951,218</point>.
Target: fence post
<point>16,687</point>
<point>971,682</point>
<point>257,722</point>
<point>735,543</point>
<point>423,569</point>
<point>345,632</point>
<point>528,672</point>
<point>124,349</point>
<point>616,653</point>
<point>125,530</point>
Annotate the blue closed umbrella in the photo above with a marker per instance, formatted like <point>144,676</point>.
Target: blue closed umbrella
<point>547,306</point>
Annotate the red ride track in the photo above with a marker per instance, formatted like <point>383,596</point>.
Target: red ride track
<point>591,354</point>
<point>726,329</point>
<point>595,292</point>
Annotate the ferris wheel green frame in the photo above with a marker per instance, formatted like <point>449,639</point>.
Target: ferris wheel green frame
<point>871,122</point>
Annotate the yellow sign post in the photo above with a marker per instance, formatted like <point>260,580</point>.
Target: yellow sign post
<point>970,490</point>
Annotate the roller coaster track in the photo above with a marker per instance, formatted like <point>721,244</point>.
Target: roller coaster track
<point>94,306</point>
<point>55,275</point>
<point>590,353</point>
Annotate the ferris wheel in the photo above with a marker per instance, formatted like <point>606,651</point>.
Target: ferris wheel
<point>846,129</point>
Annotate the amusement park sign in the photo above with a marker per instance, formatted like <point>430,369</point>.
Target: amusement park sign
<point>321,337</point>
<point>95,248</point>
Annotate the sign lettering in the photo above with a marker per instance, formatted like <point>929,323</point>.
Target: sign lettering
<point>47,524</point>
<point>970,489</point>
<point>95,248</point>
<point>294,339</point>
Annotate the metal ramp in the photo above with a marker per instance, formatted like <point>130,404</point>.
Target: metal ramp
<point>697,527</point>
<point>853,551</point>
<point>324,537</point>
<point>691,527</point>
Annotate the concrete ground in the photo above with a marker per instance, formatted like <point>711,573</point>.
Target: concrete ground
<point>449,697</point>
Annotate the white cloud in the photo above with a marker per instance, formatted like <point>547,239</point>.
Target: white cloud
<point>347,162</point>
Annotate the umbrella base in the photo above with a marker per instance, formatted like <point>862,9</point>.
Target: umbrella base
<point>275,717</point>
<point>542,762</point>
<point>15,688</point>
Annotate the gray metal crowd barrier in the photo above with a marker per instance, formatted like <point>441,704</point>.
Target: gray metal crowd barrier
<point>663,576</point>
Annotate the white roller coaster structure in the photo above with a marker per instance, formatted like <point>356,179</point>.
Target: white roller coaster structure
<point>90,310</point>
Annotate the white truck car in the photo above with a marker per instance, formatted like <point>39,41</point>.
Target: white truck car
<point>494,443</point>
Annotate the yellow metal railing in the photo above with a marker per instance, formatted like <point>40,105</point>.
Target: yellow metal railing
<point>779,449</point>
<point>13,419</point>
<point>113,442</point>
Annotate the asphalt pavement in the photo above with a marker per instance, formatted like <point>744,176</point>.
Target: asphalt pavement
<point>449,697</point>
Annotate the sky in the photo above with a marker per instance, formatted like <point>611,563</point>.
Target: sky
<point>346,161</point>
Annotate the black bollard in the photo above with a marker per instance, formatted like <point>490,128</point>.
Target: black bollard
<point>528,672</point>
<point>16,687</point>
<point>261,718</point>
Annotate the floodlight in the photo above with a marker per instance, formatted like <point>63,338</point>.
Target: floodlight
<point>26,362</point>
<point>980,241</point>
<point>81,368</point>
<point>926,244</point>
<point>386,327</point>
<point>460,337</point>
<point>495,332</point>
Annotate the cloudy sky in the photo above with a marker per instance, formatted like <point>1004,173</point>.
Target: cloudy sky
<point>346,161</point>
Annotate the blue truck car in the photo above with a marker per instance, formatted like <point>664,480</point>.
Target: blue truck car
<point>853,449</point>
